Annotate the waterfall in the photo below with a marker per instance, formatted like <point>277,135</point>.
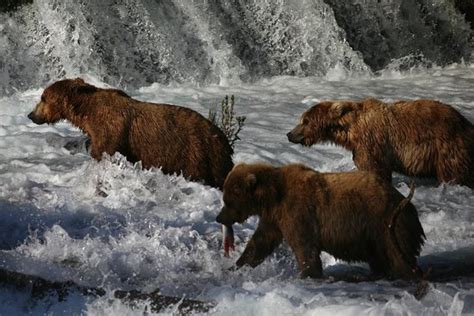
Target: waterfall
<point>129,43</point>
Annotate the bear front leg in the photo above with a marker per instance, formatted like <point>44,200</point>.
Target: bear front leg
<point>266,238</point>
<point>98,147</point>
<point>96,150</point>
<point>307,255</point>
<point>304,241</point>
<point>366,160</point>
<point>102,142</point>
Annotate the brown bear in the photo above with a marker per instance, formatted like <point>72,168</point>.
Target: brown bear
<point>423,138</point>
<point>177,139</point>
<point>354,216</point>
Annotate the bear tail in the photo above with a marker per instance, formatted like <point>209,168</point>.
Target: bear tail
<point>407,237</point>
<point>402,205</point>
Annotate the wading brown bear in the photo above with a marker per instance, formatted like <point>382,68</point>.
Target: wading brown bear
<point>177,139</point>
<point>422,138</point>
<point>354,216</point>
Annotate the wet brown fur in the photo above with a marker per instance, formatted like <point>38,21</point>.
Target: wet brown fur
<point>345,214</point>
<point>174,138</point>
<point>422,138</point>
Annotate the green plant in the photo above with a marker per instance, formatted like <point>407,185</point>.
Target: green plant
<point>227,121</point>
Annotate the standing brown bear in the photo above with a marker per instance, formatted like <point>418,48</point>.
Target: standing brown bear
<point>177,139</point>
<point>174,138</point>
<point>355,216</point>
<point>422,138</point>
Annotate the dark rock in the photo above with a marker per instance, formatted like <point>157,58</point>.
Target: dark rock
<point>11,5</point>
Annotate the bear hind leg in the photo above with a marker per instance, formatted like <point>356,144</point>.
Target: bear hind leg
<point>379,267</point>
<point>401,265</point>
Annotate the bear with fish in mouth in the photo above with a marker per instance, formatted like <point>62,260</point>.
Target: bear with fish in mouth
<point>422,138</point>
<point>354,216</point>
<point>173,138</point>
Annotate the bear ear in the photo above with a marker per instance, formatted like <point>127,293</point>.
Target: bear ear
<point>340,108</point>
<point>239,165</point>
<point>79,80</point>
<point>251,181</point>
<point>87,89</point>
<point>80,86</point>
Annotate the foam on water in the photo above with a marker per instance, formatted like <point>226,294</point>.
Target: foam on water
<point>65,216</point>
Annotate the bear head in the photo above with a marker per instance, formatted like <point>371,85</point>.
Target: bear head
<point>322,121</point>
<point>59,99</point>
<point>249,190</point>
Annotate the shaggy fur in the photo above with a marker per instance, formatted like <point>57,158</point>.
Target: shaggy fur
<point>352,216</point>
<point>174,138</point>
<point>422,138</point>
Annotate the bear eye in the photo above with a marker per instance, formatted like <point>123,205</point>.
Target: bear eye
<point>43,99</point>
<point>305,121</point>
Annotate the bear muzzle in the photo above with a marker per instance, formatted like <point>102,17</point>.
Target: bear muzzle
<point>295,137</point>
<point>36,119</point>
<point>224,218</point>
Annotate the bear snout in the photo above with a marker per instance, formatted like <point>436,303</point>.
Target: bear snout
<point>35,118</point>
<point>295,137</point>
<point>224,218</point>
<point>220,219</point>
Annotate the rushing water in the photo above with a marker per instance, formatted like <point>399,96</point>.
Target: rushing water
<point>135,43</point>
<point>156,231</point>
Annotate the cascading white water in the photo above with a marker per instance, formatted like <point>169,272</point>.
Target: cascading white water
<point>133,43</point>
<point>425,30</point>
